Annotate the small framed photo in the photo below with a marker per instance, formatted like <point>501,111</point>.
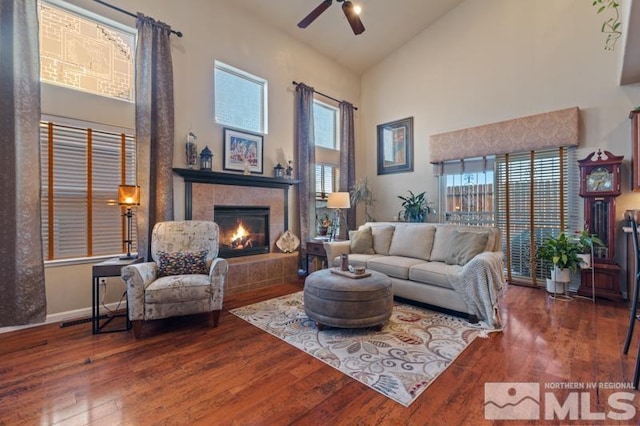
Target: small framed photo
<point>395,146</point>
<point>242,151</point>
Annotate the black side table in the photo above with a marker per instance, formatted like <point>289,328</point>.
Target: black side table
<point>108,268</point>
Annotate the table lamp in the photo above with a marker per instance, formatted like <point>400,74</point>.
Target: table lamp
<point>129,196</point>
<point>337,201</point>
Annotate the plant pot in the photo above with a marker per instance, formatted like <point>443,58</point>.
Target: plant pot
<point>555,287</point>
<point>586,260</point>
<point>561,275</point>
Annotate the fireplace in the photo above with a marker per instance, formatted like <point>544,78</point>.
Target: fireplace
<point>244,230</point>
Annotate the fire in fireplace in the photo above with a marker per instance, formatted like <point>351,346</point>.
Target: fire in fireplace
<point>244,230</point>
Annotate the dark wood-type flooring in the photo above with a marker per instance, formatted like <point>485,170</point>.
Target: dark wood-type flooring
<point>182,372</point>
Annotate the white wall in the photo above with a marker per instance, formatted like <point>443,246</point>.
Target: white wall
<point>213,30</point>
<point>494,60</point>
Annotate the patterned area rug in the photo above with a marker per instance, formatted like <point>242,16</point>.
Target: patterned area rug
<point>413,348</point>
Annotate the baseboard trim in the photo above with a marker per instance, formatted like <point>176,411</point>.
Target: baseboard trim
<point>74,315</point>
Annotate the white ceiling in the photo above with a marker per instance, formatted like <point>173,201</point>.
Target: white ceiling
<point>388,25</point>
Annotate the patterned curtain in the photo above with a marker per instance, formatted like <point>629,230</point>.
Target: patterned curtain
<point>22,289</point>
<point>347,160</point>
<point>306,163</point>
<point>154,128</point>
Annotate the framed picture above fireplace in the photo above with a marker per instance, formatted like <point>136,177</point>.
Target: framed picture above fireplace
<point>242,151</point>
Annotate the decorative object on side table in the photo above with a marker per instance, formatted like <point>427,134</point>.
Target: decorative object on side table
<point>191,150</point>
<point>337,201</point>
<point>206,159</point>
<point>128,196</point>
<point>241,147</point>
<point>395,146</point>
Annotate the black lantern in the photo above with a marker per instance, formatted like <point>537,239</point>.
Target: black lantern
<point>206,159</point>
<point>278,171</point>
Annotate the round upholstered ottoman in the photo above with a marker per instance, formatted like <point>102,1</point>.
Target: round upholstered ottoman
<point>339,301</point>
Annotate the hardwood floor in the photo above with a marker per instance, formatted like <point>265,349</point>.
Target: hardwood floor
<point>182,372</point>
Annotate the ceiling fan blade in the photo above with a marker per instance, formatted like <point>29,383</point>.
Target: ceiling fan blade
<point>314,14</point>
<point>352,17</point>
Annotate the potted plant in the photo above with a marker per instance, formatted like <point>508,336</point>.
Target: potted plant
<point>415,207</point>
<point>586,242</point>
<point>323,225</point>
<point>362,194</point>
<point>562,252</point>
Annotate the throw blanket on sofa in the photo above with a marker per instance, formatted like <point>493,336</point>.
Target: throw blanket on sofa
<point>480,283</point>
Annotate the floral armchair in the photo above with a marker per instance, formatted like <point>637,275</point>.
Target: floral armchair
<point>186,276</point>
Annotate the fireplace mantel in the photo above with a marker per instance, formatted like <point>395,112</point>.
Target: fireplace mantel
<point>191,176</point>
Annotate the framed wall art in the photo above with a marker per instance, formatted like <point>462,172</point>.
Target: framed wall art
<point>395,146</point>
<point>242,151</point>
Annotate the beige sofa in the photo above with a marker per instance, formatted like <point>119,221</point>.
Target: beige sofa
<point>459,268</point>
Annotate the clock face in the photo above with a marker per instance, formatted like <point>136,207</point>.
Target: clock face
<point>599,180</point>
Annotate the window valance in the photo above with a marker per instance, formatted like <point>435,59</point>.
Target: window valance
<point>533,133</point>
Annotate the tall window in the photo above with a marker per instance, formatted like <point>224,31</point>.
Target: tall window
<point>84,52</point>
<point>81,170</point>
<point>326,136</point>
<point>240,99</point>
<point>528,196</point>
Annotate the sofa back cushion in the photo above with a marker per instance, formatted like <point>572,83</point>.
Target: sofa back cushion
<point>381,233</point>
<point>464,246</point>
<point>445,234</point>
<point>361,241</point>
<point>412,240</point>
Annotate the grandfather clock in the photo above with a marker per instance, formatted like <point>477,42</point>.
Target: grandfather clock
<point>599,186</point>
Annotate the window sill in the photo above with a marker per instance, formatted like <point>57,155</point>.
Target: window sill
<point>80,260</point>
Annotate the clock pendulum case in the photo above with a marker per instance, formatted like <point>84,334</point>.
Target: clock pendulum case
<point>599,187</point>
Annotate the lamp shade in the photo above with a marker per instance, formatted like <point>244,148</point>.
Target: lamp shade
<point>129,195</point>
<point>338,200</point>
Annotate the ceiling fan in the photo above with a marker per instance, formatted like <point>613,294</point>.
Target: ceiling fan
<point>347,7</point>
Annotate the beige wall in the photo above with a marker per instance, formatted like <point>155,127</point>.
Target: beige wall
<point>213,30</point>
<point>493,60</point>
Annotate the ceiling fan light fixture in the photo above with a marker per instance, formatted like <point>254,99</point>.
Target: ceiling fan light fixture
<point>354,20</point>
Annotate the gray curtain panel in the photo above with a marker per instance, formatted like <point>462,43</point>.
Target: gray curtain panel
<point>154,128</point>
<point>306,163</point>
<point>347,160</point>
<point>22,290</point>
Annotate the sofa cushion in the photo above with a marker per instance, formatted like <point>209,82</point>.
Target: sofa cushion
<point>434,273</point>
<point>444,233</point>
<point>464,246</point>
<point>382,238</point>
<point>393,266</point>
<point>361,241</point>
<point>412,240</point>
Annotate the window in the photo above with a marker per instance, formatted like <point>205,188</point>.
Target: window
<point>81,170</point>
<point>326,180</point>
<point>528,196</point>
<point>240,99</point>
<point>325,125</point>
<point>85,52</point>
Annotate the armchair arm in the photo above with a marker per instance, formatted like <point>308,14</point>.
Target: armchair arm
<point>217,275</point>
<point>334,249</point>
<point>137,277</point>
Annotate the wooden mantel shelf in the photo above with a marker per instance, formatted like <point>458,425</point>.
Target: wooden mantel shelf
<point>199,176</point>
<point>192,176</point>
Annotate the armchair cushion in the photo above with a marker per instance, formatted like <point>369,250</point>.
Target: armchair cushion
<point>181,263</point>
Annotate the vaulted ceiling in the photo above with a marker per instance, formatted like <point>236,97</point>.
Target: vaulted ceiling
<point>389,24</point>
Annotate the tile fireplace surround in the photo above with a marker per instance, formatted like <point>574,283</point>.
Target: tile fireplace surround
<point>204,190</point>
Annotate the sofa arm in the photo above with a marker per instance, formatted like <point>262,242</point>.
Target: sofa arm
<point>137,277</point>
<point>334,249</point>
<point>217,276</point>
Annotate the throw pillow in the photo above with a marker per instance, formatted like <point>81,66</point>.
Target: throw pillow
<point>361,241</point>
<point>465,246</point>
<point>182,263</point>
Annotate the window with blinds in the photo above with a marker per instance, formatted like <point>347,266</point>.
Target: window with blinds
<point>535,197</point>
<point>326,180</point>
<point>81,170</point>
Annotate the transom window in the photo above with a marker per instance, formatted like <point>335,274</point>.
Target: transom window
<point>325,125</point>
<point>85,52</point>
<point>240,99</point>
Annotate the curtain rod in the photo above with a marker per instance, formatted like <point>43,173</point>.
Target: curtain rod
<point>126,12</point>
<point>326,96</point>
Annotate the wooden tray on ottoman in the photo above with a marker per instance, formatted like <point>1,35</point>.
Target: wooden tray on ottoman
<point>348,274</point>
